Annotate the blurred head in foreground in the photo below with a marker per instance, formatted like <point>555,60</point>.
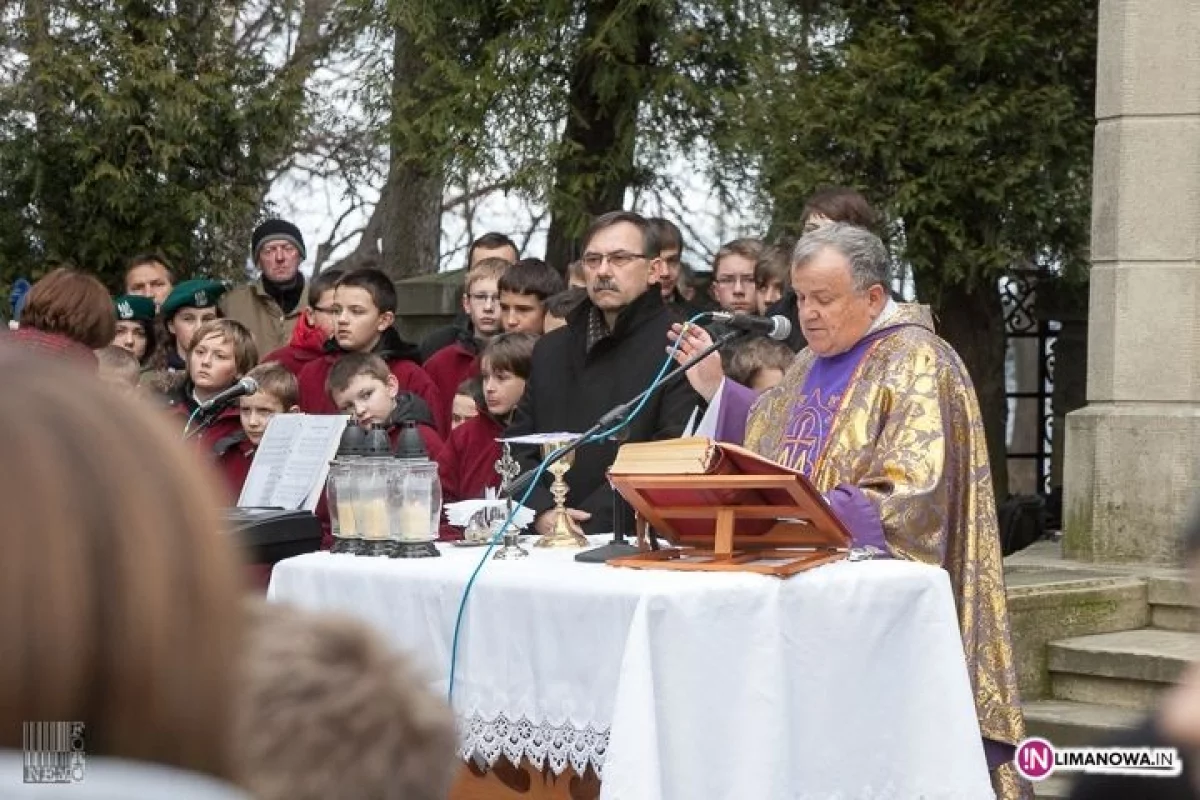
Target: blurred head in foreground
<point>119,590</point>
<point>328,709</point>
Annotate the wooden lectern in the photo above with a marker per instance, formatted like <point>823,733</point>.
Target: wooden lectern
<point>724,508</point>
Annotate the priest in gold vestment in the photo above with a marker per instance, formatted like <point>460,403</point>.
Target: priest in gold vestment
<point>880,414</point>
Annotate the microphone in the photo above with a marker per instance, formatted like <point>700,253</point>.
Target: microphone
<point>777,327</point>
<point>243,387</point>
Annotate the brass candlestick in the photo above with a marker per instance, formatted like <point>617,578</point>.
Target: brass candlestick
<point>566,531</point>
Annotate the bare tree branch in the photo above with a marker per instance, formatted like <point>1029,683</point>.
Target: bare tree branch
<point>479,193</point>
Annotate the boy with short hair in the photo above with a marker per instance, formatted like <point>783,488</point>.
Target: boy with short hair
<point>118,367</point>
<point>221,352</point>
<point>772,275</point>
<point>466,402</point>
<point>524,288</point>
<point>278,393</point>
<point>759,363</point>
<point>457,362</point>
<point>733,275</point>
<point>362,386</point>
<point>559,306</point>
<point>314,328</point>
<point>467,466</point>
<point>364,305</point>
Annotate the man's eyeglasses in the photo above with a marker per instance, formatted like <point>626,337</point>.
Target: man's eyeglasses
<point>618,259</point>
<point>484,298</point>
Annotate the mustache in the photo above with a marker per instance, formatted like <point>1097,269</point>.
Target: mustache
<point>601,284</point>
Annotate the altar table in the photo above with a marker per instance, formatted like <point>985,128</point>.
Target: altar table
<point>847,681</point>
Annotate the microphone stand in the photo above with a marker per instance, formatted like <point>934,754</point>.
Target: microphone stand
<point>618,546</point>
<point>205,419</point>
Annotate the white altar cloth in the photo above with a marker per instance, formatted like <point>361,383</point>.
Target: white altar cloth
<point>847,681</point>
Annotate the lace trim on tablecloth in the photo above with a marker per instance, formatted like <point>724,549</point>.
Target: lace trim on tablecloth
<point>555,745</point>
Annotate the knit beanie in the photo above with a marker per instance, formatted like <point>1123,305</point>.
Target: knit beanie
<point>276,230</point>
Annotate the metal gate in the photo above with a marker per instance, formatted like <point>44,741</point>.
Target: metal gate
<point>1029,379</point>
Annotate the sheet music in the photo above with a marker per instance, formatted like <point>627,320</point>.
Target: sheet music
<point>292,461</point>
<point>541,438</point>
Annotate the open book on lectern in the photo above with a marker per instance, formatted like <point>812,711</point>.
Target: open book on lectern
<point>667,480</point>
<point>291,462</point>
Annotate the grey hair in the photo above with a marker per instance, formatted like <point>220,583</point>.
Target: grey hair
<point>867,256</point>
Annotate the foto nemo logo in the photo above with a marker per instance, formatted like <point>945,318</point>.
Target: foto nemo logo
<point>1035,759</point>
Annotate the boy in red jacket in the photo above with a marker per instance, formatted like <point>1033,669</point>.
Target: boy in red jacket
<point>220,353</point>
<point>364,305</point>
<point>467,466</point>
<point>363,387</point>
<point>459,361</point>
<point>278,393</point>
<point>314,328</point>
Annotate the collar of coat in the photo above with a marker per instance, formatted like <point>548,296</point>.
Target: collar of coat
<point>587,320</point>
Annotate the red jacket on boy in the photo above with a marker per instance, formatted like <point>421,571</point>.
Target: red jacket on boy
<point>234,454</point>
<point>180,401</point>
<point>467,465</point>
<point>452,365</point>
<point>306,345</point>
<point>401,360</point>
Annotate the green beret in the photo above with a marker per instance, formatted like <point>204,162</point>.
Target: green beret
<point>197,293</point>
<point>134,307</point>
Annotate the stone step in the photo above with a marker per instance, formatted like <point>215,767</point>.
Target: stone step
<point>1127,669</point>
<point>1047,605</point>
<point>1067,724</point>
<point>1173,603</point>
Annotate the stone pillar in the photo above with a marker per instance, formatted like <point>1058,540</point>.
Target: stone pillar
<point>1132,453</point>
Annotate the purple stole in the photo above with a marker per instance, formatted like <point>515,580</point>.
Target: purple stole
<point>821,397</point>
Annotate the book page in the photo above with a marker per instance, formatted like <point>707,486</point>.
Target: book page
<point>292,461</point>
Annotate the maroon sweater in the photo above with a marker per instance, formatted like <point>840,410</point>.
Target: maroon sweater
<point>449,367</point>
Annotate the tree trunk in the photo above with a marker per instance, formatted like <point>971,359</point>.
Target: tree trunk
<point>595,164</point>
<point>411,224</point>
<point>972,321</point>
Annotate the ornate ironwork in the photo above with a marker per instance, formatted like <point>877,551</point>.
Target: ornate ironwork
<point>1018,293</point>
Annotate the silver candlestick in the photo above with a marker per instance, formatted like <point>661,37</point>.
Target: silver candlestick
<point>508,468</point>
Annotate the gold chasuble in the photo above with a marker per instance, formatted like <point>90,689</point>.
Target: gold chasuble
<point>906,431</point>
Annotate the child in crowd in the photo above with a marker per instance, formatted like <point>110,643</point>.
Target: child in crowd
<point>315,327</point>
<point>468,463</point>
<point>524,288</point>
<point>364,306</point>
<point>459,361</point>
<point>560,305</point>
<point>118,367</point>
<point>135,326</point>
<point>362,386</point>
<point>221,352</point>
<point>278,393</point>
<point>771,277</point>
<point>188,306</point>
<point>759,363</point>
<point>466,402</point>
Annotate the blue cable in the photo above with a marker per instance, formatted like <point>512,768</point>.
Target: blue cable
<point>190,420</point>
<point>541,468</point>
